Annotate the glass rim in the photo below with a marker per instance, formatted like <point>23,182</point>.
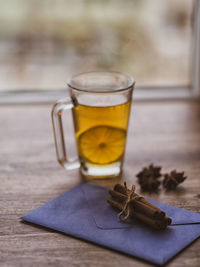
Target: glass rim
<point>130,79</point>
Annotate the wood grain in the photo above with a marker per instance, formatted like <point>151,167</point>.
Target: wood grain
<point>166,133</point>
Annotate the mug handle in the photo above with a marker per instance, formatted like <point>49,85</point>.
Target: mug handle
<point>56,115</point>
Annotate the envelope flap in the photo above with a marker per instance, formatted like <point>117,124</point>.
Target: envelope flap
<point>106,218</point>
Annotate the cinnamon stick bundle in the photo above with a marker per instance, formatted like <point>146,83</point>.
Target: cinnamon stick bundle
<point>135,206</point>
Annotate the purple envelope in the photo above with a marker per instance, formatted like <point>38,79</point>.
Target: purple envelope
<point>84,213</point>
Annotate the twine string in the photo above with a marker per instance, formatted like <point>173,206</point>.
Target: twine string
<point>125,212</point>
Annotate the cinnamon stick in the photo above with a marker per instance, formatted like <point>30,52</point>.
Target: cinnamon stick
<point>121,189</point>
<point>168,220</point>
<point>157,224</point>
<point>138,205</point>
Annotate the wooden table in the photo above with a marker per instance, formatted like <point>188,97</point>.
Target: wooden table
<point>166,133</point>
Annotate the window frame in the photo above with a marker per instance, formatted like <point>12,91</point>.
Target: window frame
<point>159,93</point>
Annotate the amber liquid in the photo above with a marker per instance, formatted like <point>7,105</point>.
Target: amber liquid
<point>101,133</point>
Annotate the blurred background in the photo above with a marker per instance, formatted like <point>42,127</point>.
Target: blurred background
<point>42,43</point>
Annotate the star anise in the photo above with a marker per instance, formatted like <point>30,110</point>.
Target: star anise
<point>173,179</point>
<point>148,178</point>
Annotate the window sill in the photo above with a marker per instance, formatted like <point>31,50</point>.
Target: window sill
<point>53,96</point>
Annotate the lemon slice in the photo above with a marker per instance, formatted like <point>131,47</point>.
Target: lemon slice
<point>102,144</point>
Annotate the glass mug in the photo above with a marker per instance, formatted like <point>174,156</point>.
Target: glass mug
<point>100,102</point>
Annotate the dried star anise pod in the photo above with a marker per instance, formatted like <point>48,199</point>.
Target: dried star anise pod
<point>173,179</point>
<point>148,178</point>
